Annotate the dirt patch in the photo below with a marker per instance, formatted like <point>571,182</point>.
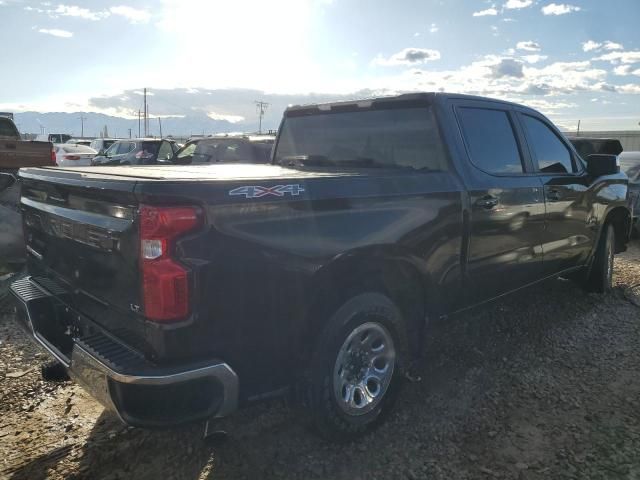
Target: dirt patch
<point>542,385</point>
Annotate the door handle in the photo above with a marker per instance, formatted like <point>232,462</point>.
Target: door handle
<point>554,195</point>
<point>487,202</point>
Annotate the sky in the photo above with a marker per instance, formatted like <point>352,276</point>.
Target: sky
<point>572,61</point>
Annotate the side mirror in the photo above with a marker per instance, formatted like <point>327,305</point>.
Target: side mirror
<point>6,180</point>
<point>599,165</point>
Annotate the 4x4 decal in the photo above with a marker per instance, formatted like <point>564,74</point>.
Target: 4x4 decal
<point>257,191</point>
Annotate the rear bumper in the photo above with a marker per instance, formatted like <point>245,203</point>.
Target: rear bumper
<point>142,394</point>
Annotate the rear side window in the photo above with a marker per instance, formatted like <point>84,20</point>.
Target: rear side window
<point>233,152</point>
<point>383,138</point>
<point>262,152</point>
<point>551,155</point>
<point>491,141</point>
<point>7,129</point>
<point>205,152</point>
<point>165,152</point>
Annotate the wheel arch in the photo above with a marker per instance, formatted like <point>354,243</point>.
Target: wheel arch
<point>620,218</point>
<point>386,270</point>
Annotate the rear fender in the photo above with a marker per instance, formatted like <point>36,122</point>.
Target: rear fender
<point>386,269</point>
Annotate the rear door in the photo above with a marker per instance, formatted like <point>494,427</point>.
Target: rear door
<point>570,231</point>
<point>507,204</point>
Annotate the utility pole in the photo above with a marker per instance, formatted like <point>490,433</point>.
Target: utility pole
<point>261,107</point>
<point>578,132</point>
<point>82,119</point>
<point>160,123</point>
<point>129,133</point>
<point>138,123</point>
<point>146,113</point>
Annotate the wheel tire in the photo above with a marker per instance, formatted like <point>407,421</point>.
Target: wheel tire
<point>600,278</point>
<point>335,418</point>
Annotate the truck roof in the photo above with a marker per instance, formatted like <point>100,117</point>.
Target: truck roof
<point>405,97</point>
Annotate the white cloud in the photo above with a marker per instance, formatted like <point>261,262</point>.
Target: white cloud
<point>591,45</point>
<point>534,58</point>
<point>636,72</point>
<point>408,56</point>
<point>484,13</point>
<point>75,11</point>
<point>528,46</point>
<point>228,118</point>
<point>629,88</point>
<point>133,15</point>
<point>517,4</point>
<point>56,32</point>
<point>559,9</point>
<point>608,45</point>
<point>434,28</point>
<point>622,70</point>
<point>632,56</point>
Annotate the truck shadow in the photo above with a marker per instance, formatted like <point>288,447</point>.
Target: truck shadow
<point>462,356</point>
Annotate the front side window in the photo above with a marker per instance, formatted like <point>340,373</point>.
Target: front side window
<point>491,141</point>
<point>384,138</point>
<point>125,147</point>
<point>551,155</point>
<point>112,150</point>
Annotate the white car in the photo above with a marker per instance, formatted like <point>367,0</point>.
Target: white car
<point>71,155</point>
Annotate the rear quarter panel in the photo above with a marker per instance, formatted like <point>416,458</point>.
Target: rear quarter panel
<point>258,264</point>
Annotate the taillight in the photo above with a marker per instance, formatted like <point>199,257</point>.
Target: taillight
<point>165,282</point>
<point>72,157</point>
<point>54,160</point>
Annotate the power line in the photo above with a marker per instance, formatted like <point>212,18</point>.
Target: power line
<point>261,107</point>
<point>82,119</point>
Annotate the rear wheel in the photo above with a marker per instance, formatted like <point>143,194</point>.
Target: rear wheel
<point>600,278</point>
<point>356,367</point>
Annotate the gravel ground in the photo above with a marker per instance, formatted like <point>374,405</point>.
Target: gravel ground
<point>542,385</point>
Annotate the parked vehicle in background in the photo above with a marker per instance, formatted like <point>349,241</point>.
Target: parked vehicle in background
<point>79,141</point>
<point>586,146</point>
<point>140,151</point>
<point>16,153</point>
<point>53,138</point>
<point>226,149</point>
<point>102,144</point>
<point>181,294</point>
<point>630,164</point>
<point>73,155</point>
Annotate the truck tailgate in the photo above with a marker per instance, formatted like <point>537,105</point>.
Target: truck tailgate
<point>16,154</point>
<point>81,234</point>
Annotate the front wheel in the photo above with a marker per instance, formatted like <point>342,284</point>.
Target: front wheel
<point>356,367</point>
<point>600,278</point>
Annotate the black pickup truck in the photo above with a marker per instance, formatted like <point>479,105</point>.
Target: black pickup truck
<point>180,293</point>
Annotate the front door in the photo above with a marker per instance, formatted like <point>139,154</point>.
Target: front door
<point>507,203</point>
<point>570,231</point>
